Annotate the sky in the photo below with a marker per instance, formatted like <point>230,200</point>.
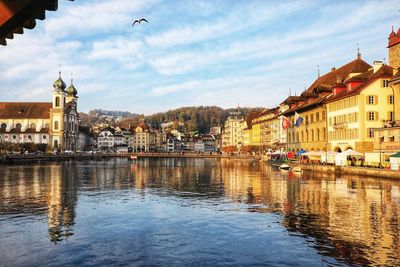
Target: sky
<point>191,53</point>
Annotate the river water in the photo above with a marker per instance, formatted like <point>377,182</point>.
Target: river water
<point>207,212</point>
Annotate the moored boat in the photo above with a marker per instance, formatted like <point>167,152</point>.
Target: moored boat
<point>284,167</point>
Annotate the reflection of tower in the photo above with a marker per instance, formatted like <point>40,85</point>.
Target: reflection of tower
<point>61,202</point>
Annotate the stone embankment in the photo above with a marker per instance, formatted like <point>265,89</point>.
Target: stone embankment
<point>362,171</point>
<point>27,159</point>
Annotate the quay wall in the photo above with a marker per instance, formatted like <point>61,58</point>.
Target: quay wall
<point>362,171</point>
<point>27,159</point>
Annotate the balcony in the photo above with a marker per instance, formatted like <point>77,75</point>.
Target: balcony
<point>340,125</point>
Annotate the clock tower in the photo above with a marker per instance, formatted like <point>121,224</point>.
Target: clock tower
<point>394,49</point>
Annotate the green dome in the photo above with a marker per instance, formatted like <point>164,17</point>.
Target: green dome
<point>71,90</point>
<point>59,83</point>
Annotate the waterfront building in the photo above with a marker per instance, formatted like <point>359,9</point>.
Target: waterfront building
<point>387,135</point>
<point>357,106</point>
<point>85,138</point>
<point>54,123</point>
<point>232,135</point>
<point>143,138</point>
<point>106,138</point>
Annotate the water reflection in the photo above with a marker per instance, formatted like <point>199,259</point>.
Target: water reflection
<point>353,220</point>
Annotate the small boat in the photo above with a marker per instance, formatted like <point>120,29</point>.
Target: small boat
<point>284,167</point>
<point>296,169</point>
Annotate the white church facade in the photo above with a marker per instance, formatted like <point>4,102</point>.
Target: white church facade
<point>54,123</point>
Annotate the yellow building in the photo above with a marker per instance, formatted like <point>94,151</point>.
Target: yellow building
<point>54,123</point>
<point>358,106</point>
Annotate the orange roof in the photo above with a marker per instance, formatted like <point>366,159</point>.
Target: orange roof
<point>25,110</point>
<point>356,66</point>
<point>384,72</point>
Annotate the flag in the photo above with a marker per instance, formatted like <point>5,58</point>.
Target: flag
<point>285,123</point>
<point>298,119</point>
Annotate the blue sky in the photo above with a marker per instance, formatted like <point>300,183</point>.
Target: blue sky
<point>192,52</point>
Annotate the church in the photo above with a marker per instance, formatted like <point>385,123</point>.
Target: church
<point>54,123</point>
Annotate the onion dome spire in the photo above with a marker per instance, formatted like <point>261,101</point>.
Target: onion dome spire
<point>71,90</point>
<point>59,83</point>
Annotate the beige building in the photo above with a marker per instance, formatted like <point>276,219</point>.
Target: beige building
<point>143,138</point>
<point>363,102</point>
<point>233,133</point>
<point>54,123</point>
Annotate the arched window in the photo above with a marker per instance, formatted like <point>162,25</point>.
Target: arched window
<point>297,137</point>
<point>57,101</point>
<point>47,126</point>
<point>33,126</point>
<point>18,126</point>
<point>306,135</point>
<point>56,125</point>
<point>3,127</point>
<point>324,134</point>
<point>55,143</point>
<point>318,134</point>
<point>302,136</point>
<point>312,135</point>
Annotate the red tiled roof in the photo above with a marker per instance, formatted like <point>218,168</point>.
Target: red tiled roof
<point>384,72</point>
<point>25,110</point>
<point>327,80</point>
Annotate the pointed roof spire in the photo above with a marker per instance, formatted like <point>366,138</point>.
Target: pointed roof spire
<point>358,51</point>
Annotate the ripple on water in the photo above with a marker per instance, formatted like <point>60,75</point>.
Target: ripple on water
<point>194,212</point>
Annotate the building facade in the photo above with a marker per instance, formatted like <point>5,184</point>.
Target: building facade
<point>53,123</point>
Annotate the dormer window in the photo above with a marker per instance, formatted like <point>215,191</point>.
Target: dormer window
<point>385,83</point>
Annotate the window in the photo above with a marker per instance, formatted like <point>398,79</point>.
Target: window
<point>312,117</point>
<point>14,137</point>
<point>57,101</point>
<point>30,137</point>
<point>372,116</point>
<point>356,117</point>
<point>391,99</point>
<point>371,133</point>
<point>33,126</point>
<point>56,125</point>
<point>44,137</point>
<point>3,126</point>
<point>385,83</point>
<point>18,126</point>
<point>371,99</point>
<point>306,119</point>
<point>323,115</point>
<point>390,116</point>
<point>317,116</point>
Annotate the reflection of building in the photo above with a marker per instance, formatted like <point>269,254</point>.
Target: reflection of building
<point>47,188</point>
<point>54,123</point>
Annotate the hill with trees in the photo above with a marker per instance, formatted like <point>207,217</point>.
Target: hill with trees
<point>195,119</point>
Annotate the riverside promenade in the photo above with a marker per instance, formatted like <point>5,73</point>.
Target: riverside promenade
<point>32,158</point>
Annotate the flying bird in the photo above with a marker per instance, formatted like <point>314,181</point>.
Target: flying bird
<point>138,21</point>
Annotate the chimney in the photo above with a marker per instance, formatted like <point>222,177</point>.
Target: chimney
<point>333,68</point>
<point>339,79</point>
<point>377,65</point>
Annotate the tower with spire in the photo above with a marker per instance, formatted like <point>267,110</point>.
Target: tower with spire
<point>64,116</point>
<point>394,48</point>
